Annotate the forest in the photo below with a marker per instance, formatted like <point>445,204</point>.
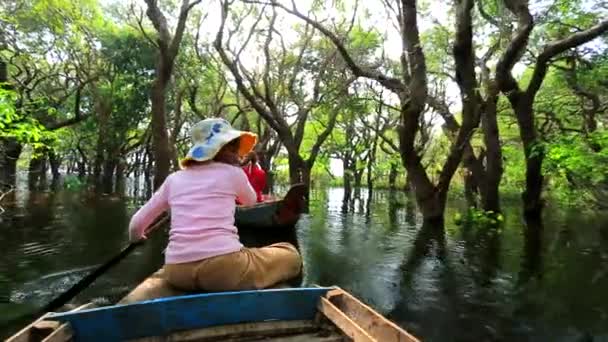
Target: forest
<point>477,98</point>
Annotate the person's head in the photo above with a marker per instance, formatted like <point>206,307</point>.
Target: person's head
<point>252,157</point>
<point>215,139</point>
<point>229,152</point>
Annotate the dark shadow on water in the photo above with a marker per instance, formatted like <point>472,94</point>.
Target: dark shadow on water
<point>429,242</point>
<point>532,258</point>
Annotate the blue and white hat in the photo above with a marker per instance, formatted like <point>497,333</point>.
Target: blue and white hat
<point>210,135</point>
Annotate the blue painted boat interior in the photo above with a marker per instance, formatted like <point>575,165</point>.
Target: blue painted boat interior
<point>160,317</point>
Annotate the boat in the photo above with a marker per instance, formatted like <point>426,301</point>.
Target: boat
<point>273,214</point>
<point>287,314</point>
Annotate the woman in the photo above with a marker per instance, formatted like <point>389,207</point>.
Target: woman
<point>255,174</point>
<point>204,251</point>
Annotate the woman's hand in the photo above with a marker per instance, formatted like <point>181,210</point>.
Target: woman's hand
<point>140,239</point>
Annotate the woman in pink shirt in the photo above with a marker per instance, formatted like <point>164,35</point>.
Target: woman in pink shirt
<point>204,251</point>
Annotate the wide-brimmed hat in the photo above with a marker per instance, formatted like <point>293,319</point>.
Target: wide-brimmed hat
<point>210,135</point>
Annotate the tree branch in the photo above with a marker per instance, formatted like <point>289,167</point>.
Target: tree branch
<point>232,66</point>
<point>390,83</point>
<point>464,57</point>
<point>515,49</point>
<point>554,48</point>
<point>181,26</point>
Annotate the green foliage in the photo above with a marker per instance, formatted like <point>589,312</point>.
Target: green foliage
<point>73,183</point>
<point>14,124</point>
<point>581,163</point>
<point>479,218</point>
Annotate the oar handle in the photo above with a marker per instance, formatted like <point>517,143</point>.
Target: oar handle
<point>159,222</point>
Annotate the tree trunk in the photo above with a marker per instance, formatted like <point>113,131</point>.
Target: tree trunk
<point>108,175</point>
<point>358,177</point>
<point>490,195</point>
<point>35,169</point>
<point>168,47</point>
<point>10,152</point>
<point>97,166</point>
<point>160,138</point>
<point>82,163</point>
<point>392,177</point>
<point>534,153</point>
<point>177,125</point>
<point>104,110</point>
<point>347,179</point>
<point>470,188</point>
<point>120,177</point>
<point>407,187</point>
<point>136,171</point>
<point>265,160</point>
<point>148,174</point>
<point>299,172</point>
<point>296,169</point>
<point>372,159</point>
<point>370,178</point>
<point>43,174</point>
<point>55,163</point>
<point>432,208</point>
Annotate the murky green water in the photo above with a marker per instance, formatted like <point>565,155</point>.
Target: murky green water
<point>544,283</point>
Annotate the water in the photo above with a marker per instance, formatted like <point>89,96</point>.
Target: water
<point>536,283</point>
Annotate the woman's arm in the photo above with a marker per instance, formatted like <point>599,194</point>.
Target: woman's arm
<point>156,205</point>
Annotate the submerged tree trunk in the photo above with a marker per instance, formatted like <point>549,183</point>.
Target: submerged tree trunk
<point>407,187</point>
<point>148,166</point>
<point>108,175</point>
<point>358,176</point>
<point>392,177</point>
<point>55,163</point>
<point>9,154</point>
<point>120,177</point>
<point>296,168</point>
<point>97,167</point>
<point>347,179</point>
<point>370,174</point>
<point>103,109</point>
<point>136,171</point>
<point>37,169</point>
<point>82,164</point>
<point>470,189</point>
<point>299,172</point>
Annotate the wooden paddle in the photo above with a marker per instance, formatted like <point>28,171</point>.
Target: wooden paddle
<point>90,278</point>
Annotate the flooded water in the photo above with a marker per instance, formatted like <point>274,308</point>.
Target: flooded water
<point>546,282</point>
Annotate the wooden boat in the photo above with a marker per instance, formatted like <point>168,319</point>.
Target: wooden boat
<point>295,314</point>
<point>273,213</point>
<point>156,311</point>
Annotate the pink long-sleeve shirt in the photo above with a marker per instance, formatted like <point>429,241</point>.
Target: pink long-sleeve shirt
<point>202,203</point>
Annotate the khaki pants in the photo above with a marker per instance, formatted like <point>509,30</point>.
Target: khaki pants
<point>247,269</point>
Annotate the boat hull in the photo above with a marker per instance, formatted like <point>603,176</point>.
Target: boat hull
<point>273,214</point>
<point>163,317</point>
<point>298,314</point>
